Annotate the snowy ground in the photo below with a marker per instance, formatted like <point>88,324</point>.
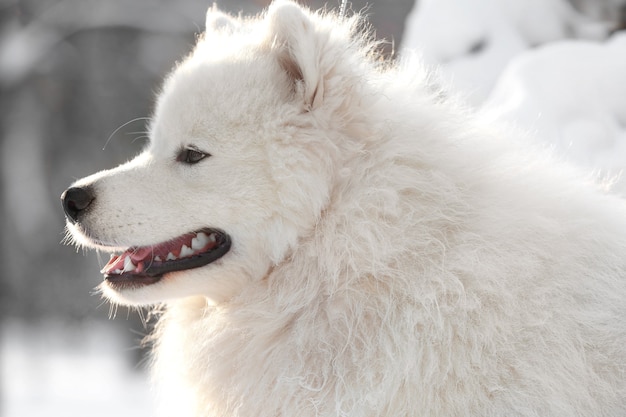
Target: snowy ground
<point>55,370</point>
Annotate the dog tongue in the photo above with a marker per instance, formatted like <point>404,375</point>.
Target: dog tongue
<point>140,254</point>
<point>120,262</point>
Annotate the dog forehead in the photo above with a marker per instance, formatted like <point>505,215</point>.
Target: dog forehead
<point>223,95</point>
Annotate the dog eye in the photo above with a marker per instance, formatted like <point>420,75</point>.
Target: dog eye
<point>191,156</point>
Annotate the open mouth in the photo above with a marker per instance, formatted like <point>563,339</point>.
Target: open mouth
<point>146,265</point>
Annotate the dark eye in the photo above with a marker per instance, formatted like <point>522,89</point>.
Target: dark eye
<point>191,156</point>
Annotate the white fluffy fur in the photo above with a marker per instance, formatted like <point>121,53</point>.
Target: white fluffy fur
<point>392,256</point>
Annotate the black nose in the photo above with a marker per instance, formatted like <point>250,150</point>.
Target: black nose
<point>75,201</point>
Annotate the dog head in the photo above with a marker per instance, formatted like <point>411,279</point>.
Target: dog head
<point>239,166</point>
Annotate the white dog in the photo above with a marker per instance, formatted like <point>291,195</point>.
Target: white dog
<point>331,236</point>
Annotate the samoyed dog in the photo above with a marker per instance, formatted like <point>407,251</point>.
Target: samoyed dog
<point>329,234</point>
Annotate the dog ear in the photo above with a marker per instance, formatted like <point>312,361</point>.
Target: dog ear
<point>298,47</point>
<point>218,21</point>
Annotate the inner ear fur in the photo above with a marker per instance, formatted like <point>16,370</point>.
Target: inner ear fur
<point>297,47</point>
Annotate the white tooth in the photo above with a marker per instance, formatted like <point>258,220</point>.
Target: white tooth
<point>117,271</point>
<point>212,238</point>
<point>199,241</point>
<point>158,259</point>
<point>170,257</point>
<point>128,265</point>
<point>186,251</point>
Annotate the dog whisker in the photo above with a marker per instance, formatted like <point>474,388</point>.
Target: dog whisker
<point>121,127</point>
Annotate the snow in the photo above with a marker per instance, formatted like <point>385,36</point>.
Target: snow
<point>538,65</point>
<point>572,96</point>
<point>473,40</point>
<point>53,369</point>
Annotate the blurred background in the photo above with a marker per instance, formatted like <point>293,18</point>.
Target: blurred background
<point>78,78</point>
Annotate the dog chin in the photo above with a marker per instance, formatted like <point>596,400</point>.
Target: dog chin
<point>213,283</point>
<point>167,289</point>
<point>141,296</point>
